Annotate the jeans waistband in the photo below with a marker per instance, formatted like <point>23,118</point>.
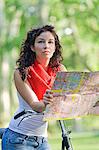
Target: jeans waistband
<point>27,137</point>
<point>36,138</point>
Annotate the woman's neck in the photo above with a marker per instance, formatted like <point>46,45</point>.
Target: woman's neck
<point>44,63</point>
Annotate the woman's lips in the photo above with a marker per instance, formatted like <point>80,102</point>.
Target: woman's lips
<point>47,52</point>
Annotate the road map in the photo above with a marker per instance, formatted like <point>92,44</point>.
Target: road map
<point>76,94</point>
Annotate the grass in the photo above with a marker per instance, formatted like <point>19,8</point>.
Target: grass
<point>80,141</point>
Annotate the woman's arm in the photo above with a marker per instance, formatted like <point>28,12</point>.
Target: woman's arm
<point>27,93</point>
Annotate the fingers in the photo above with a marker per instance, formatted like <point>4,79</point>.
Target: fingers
<point>49,92</point>
<point>48,97</point>
<point>47,101</point>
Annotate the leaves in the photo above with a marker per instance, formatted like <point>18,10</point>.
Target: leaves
<point>76,22</point>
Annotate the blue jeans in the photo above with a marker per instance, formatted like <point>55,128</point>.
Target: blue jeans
<point>15,141</point>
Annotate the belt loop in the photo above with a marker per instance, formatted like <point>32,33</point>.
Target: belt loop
<point>36,139</point>
<point>43,140</point>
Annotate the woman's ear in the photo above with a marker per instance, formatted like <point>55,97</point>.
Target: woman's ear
<point>32,48</point>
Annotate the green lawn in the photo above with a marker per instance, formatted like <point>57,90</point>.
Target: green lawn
<point>79,141</point>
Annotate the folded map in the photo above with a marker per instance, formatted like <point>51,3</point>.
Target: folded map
<point>76,94</point>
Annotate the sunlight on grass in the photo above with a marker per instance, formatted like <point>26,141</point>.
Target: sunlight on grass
<point>90,142</point>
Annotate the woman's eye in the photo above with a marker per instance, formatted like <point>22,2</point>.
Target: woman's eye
<point>50,42</point>
<point>40,41</point>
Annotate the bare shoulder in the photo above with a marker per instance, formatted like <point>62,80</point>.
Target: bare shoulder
<point>17,79</point>
<point>16,72</point>
<point>62,67</point>
<point>17,75</point>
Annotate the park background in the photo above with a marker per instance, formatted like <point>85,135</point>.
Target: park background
<point>77,24</point>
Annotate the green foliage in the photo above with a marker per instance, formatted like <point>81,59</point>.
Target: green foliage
<point>80,16</point>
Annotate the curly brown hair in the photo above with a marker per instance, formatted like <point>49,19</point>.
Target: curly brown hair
<point>27,56</point>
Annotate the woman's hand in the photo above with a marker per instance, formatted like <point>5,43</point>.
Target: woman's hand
<point>48,97</point>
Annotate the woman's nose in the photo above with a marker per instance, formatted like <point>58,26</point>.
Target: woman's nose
<point>46,45</point>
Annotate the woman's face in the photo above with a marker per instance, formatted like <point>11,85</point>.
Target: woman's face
<point>44,45</point>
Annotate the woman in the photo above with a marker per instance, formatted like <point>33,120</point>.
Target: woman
<point>39,61</point>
